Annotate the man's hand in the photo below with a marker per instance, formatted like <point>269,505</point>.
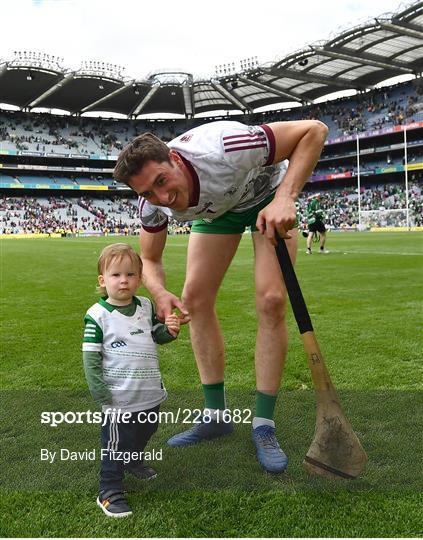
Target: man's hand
<point>173,324</point>
<point>280,215</point>
<point>166,302</point>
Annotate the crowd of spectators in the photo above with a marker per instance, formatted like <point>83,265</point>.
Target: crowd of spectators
<point>341,206</point>
<point>44,132</point>
<point>115,214</point>
<point>27,215</point>
<point>120,215</point>
<point>368,164</point>
<point>33,130</point>
<point>366,111</point>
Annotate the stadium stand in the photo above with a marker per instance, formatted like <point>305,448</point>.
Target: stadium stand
<point>118,215</point>
<point>70,136</point>
<point>56,170</point>
<point>381,148</point>
<point>20,215</point>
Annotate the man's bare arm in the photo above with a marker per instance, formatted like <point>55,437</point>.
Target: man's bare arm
<point>154,277</point>
<point>301,142</point>
<point>151,250</point>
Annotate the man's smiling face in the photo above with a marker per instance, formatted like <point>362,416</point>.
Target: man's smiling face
<point>164,184</point>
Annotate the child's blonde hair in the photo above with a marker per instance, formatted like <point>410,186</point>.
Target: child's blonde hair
<point>115,253</point>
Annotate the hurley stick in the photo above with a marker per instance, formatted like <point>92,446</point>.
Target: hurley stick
<point>335,451</point>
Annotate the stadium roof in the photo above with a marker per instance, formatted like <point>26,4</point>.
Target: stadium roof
<point>357,58</point>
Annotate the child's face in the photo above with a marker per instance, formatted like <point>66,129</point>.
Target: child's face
<point>121,280</point>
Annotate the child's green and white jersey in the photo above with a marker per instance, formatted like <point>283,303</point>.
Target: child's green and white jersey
<point>130,359</point>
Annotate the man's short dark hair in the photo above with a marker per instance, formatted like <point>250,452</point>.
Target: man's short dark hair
<point>144,148</point>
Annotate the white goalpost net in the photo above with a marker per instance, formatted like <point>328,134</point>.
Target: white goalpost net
<point>386,218</point>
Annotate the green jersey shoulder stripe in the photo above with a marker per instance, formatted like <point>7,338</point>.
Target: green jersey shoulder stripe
<point>92,333</point>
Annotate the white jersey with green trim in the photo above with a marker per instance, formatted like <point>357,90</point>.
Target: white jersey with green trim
<point>130,359</point>
<point>231,168</point>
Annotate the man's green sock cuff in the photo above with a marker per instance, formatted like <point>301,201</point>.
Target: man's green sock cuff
<point>265,405</point>
<point>214,396</point>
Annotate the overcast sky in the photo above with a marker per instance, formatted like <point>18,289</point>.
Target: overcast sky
<point>186,35</point>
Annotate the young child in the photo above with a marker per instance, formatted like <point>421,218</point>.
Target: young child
<point>122,370</point>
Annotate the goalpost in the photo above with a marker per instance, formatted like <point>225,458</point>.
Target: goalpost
<point>385,218</point>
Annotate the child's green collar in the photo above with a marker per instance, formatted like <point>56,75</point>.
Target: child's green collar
<point>110,307</point>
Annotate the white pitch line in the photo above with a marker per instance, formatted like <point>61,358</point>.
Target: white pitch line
<point>363,252</point>
<point>94,240</point>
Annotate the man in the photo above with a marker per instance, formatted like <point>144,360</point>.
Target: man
<point>315,223</point>
<point>225,176</point>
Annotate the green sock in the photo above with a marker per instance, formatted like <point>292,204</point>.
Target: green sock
<point>265,405</point>
<point>214,396</point>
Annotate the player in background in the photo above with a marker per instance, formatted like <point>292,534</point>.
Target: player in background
<point>315,223</point>
<point>225,176</point>
<point>122,370</point>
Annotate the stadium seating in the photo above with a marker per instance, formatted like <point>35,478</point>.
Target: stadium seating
<point>85,201</point>
<point>117,214</point>
<point>91,137</point>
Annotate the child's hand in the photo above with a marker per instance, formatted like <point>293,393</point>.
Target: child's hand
<point>173,324</point>
<point>183,316</point>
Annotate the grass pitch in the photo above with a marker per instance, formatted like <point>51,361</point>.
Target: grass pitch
<point>365,301</point>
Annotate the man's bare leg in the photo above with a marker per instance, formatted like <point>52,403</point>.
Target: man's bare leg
<point>322,242</point>
<point>309,241</point>
<point>271,298</point>
<point>209,256</point>
<point>271,347</point>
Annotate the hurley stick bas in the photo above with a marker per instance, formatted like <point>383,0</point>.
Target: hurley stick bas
<point>335,451</point>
